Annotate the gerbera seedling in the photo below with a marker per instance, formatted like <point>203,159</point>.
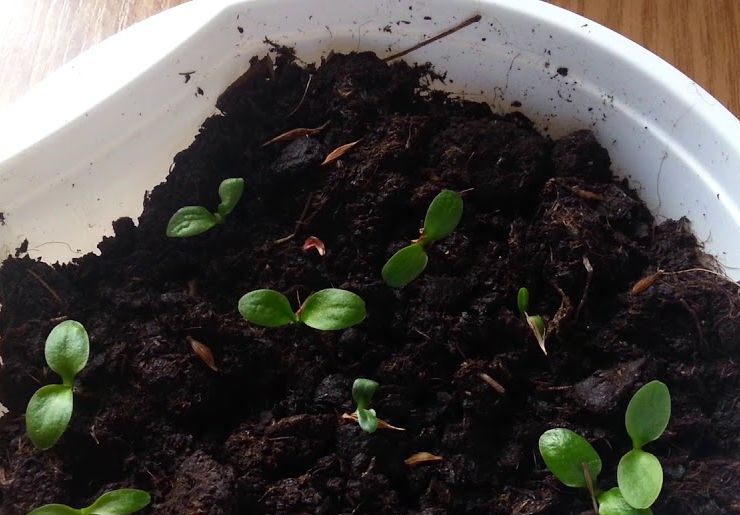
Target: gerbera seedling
<point>327,310</point>
<point>49,411</point>
<point>362,393</point>
<point>115,502</point>
<point>639,474</point>
<point>443,215</point>
<point>194,220</point>
<point>535,322</point>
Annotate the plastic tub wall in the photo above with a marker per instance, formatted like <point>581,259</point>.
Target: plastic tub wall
<point>84,147</point>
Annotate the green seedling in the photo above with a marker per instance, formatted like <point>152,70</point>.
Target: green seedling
<point>115,502</point>
<point>640,477</point>
<point>48,413</point>
<point>639,474</point>
<point>535,322</point>
<point>326,310</point>
<point>194,220</point>
<point>442,217</point>
<point>362,392</point>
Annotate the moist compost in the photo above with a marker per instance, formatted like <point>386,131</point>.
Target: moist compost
<point>263,434</point>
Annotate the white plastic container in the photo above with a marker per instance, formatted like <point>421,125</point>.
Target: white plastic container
<point>82,148</point>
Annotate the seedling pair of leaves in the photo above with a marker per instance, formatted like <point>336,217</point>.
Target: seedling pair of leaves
<point>194,220</point>
<point>362,393</point>
<point>639,473</point>
<point>49,411</point>
<point>535,322</point>
<point>331,309</point>
<point>116,502</point>
<point>443,215</point>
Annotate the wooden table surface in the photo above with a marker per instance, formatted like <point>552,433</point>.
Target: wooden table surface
<point>700,37</point>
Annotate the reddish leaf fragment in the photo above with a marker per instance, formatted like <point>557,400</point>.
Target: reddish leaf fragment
<point>382,424</point>
<point>645,283</point>
<point>338,152</point>
<point>589,195</point>
<point>312,242</point>
<point>420,458</point>
<point>492,383</point>
<point>296,133</point>
<point>203,352</point>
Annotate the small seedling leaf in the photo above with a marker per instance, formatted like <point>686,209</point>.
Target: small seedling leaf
<point>564,453</point>
<point>648,413</point>
<point>363,391</point>
<point>640,478</point>
<point>55,509</point>
<point>332,309</point>
<point>405,265</point>
<point>443,215</point>
<point>367,420</point>
<point>522,301</point>
<point>230,191</point>
<point>67,349</point>
<point>537,325</point>
<point>119,502</point>
<point>267,308</point>
<point>611,502</point>
<point>48,414</point>
<point>190,221</point>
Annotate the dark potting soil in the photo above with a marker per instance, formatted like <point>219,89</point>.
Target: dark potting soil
<point>264,433</point>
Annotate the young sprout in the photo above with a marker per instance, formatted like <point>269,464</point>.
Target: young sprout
<point>48,413</point>
<point>535,322</point>
<point>362,392</point>
<point>115,502</point>
<point>193,220</point>
<point>442,217</point>
<point>639,474</point>
<point>522,301</point>
<point>326,310</point>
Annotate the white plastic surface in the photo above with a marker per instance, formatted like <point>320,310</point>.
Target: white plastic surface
<point>82,149</point>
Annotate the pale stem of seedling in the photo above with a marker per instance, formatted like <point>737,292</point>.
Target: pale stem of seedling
<point>590,486</point>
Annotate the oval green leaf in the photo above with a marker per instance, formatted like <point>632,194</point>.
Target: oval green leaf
<point>230,191</point>
<point>48,414</point>
<point>405,265</point>
<point>367,419</point>
<point>363,391</point>
<point>640,478</point>
<point>190,221</point>
<point>522,301</point>
<point>332,309</point>
<point>611,502</point>
<point>443,215</point>
<point>67,349</point>
<point>55,509</point>
<point>119,502</point>
<point>565,452</point>
<point>648,413</point>
<point>267,308</point>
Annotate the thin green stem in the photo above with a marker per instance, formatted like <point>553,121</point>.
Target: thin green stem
<point>590,486</point>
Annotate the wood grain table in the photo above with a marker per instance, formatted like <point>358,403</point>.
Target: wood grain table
<point>700,37</point>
